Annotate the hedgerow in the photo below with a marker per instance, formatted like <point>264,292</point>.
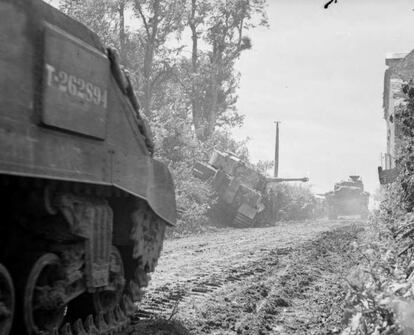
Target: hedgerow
<point>286,202</point>
<point>380,299</point>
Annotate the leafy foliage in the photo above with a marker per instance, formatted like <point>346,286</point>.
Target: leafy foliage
<point>290,202</point>
<point>194,199</point>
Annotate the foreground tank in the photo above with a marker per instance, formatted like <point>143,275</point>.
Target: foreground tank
<point>84,204</point>
<point>348,198</point>
<point>239,188</point>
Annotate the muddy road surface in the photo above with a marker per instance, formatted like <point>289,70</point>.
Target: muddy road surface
<point>286,279</point>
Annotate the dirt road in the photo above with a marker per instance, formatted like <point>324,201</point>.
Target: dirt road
<point>277,280</point>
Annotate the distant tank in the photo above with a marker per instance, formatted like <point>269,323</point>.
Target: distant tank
<point>239,187</point>
<point>347,198</point>
<point>84,204</point>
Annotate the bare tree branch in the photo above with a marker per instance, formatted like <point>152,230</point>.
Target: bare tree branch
<point>144,20</point>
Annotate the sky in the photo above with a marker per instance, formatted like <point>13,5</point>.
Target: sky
<point>321,72</point>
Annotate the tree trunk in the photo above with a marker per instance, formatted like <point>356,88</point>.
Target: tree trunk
<point>195,95</point>
<point>215,87</point>
<point>152,29</point>
<point>122,51</point>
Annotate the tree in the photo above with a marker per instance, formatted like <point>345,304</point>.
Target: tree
<point>104,17</point>
<point>208,79</point>
<point>213,81</point>
<point>159,19</point>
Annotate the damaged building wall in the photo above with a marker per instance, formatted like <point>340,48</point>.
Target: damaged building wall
<point>392,99</point>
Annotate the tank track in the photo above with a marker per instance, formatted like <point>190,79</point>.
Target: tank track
<point>242,221</point>
<point>117,321</point>
<point>44,202</point>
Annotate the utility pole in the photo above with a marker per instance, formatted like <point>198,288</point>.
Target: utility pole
<point>276,171</point>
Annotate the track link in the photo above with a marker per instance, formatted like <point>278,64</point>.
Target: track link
<point>242,221</point>
<point>115,322</point>
<point>161,302</point>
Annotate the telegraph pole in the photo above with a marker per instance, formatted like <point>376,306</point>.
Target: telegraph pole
<point>276,171</point>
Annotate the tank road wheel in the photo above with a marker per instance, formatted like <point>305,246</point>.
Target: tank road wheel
<point>44,304</point>
<point>106,300</point>
<point>7,301</point>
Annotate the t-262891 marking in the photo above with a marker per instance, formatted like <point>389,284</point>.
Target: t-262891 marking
<point>76,86</point>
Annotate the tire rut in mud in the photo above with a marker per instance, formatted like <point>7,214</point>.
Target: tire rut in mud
<point>301,293</point>
<point>162,301</point>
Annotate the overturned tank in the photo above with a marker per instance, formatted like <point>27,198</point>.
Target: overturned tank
<point>348,198</point>
<point>239,186</point>
<point>84,204</point>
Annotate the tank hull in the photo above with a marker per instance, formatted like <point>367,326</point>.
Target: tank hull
<point>85,205</point>
<point>237,186</point>
<point>348,206</point>
<point>348,198</point>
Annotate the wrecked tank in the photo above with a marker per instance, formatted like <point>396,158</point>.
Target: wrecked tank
<point>239,186</point>
<point>348,198</point>
<point>85,206</point>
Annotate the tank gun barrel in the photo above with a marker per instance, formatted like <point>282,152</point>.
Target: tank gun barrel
<point>280,180</point>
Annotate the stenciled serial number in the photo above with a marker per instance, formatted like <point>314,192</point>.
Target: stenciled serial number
<point>76,87</point>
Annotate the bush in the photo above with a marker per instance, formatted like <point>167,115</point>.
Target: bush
<point>194,199</point>
<point>286,202</point>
